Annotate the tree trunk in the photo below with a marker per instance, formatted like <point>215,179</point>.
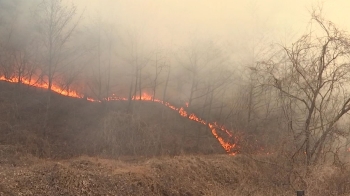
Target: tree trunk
<point>109,72</point>
<point>166,84</point>
<point>210,105</point>
<point>193,87</point>
<point>136,81</point>
<point>130,95</point>
<point>205,101</point>
<point>155,79</point>
<point>140,86</point>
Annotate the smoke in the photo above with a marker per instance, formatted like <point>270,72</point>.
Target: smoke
<point>114,38</point>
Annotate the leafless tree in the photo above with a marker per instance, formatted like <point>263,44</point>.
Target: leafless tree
<point>137,59</point>
<point>159,64</point>
<point>102,50</point>
<point>197,59</point>
<point>312,78</point>
<point>166,82</point>
<point>18,45</point>
<point>57,24</point>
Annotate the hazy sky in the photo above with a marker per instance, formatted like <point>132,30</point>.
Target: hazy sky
<point>228,19</point>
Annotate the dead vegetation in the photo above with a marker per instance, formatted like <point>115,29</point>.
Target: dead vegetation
<point>179,175</point>
<point>184,175</point>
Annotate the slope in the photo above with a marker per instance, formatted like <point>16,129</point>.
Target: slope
<point>73,127</point>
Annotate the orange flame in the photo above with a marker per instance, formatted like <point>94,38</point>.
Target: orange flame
<point>229,147</point>
<point>55,88</point>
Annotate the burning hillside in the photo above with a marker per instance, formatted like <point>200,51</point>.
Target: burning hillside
<point>221,133</point>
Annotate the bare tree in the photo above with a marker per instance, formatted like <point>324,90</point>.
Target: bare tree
<point>137,59</point>
<point>312,77</point>
<point>102,50</point>
<point>18,46</point>
<point>196,59</point>
<point>159,64</point>
<point>166,82</point>
<point>56,24</point>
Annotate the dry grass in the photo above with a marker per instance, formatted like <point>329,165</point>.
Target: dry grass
<point>22,174</point>
<point>185,175</point>
<point>328,180</point>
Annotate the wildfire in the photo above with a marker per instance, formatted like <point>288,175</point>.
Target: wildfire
<point>55,88</point>
<point>228,146</point>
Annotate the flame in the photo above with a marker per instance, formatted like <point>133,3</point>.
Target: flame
<point>182,112</point>
<point>90,99</point>
<point>55,88</point>
<point>228,146</point>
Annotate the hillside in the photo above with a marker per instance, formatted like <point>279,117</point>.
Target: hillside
<point>78,127</point>
<point>92,148</point>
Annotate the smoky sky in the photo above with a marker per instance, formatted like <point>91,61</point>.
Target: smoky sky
<point>240,27</point>
<point>240,32</point>
<point>178,20</point>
